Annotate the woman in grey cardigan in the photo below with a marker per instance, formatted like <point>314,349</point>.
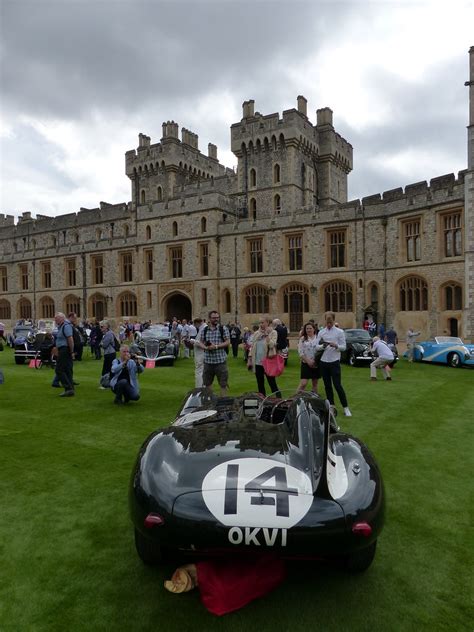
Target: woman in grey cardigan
<point>108,345</point>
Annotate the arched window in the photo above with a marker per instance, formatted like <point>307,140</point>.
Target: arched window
<point>148,233</point>
<point>256,300</point>
<point>126,230</point>
<point>203,224</point>
<point>413,295</point>
<point>227,302</point>
<point>159,194</point>
<point>143,196</point>
<point>276,174</point>
<point>47,307</point>
<point>24,309</point>
<point>98,234</point>
<point>295,303</point>
<point>277,203</point>
<point>253,208</point>
<point>253,178</point>
<point>53,241</point>
<point>338,297</point>
<point>72,304</point>
<point>128,304</point>
<point>5,309</point>
<point>452,296</point>
<point>289,297</point>
<point>175,229</point>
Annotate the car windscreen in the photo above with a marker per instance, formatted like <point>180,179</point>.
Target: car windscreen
<point>448,340</point>
<point>357,334</point>
<point>162,332</point>
<point>22,333</point>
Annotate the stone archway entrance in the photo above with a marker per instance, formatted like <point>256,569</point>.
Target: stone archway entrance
<point>177,305</point>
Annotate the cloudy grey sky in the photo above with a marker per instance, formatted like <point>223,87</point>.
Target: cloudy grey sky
<point>80,79</point>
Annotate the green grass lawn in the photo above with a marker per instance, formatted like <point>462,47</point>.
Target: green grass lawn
<point>67,556</point>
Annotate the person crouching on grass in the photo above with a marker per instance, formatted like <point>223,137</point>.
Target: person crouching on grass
<point>124,382</point>
<point>382,361</point>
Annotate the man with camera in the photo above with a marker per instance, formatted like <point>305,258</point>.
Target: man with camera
<point>124,382</point>
<point>214,339</point>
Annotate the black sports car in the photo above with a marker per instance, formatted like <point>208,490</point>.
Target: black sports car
<point>358,350</point>
<point>246,473</point>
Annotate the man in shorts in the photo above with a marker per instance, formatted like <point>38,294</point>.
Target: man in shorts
<point>214,339</point>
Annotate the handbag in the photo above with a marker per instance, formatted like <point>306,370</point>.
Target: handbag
<point>317,357</point>
<point>274,366</point>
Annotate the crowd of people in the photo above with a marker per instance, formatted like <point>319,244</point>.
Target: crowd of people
<point>265,351</point>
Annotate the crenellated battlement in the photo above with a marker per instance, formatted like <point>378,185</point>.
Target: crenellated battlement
<point>420,193</point>
<point>26,224</point>
<point>171,153</point>
<point>6,220</point>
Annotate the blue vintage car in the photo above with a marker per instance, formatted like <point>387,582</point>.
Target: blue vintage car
<point>446,350</point>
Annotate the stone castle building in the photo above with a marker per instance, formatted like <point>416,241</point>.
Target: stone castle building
<point>277,236</point>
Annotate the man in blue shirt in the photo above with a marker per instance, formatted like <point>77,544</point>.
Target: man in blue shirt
<point>64,352</point>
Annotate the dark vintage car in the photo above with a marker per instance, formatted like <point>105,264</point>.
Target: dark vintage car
<point>29,340</point>
<point>237,475</point>
<point>358,349</point>
<point>156,343</point>
<point>24,342</point>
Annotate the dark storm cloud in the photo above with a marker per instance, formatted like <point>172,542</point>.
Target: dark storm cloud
<point>64,58</point>
<point>428,117</point>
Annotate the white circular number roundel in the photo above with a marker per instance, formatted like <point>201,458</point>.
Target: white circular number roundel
<point>257,493</point>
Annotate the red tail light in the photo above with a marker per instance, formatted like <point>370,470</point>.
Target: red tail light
<point>153,520</point>
<point>362,528</point>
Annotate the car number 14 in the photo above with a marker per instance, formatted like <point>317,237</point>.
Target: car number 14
<point>258,493</point>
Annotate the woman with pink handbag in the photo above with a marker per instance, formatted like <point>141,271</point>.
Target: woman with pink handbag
<point>263,357</point>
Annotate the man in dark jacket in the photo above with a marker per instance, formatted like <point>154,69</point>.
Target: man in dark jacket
<point>235,339</point>
<point>78,340</point>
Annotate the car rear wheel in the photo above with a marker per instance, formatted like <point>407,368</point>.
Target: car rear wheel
<point>454,360</point>
<point>19,360</point>
<point>359,561</point>
<point>148,550</point>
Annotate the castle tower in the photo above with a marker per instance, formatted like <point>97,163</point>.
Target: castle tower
<point>468,327</point>
<point>158,171</point>
<point>287,163</point>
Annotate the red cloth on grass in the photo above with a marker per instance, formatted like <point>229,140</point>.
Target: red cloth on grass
<point>230,584</point>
